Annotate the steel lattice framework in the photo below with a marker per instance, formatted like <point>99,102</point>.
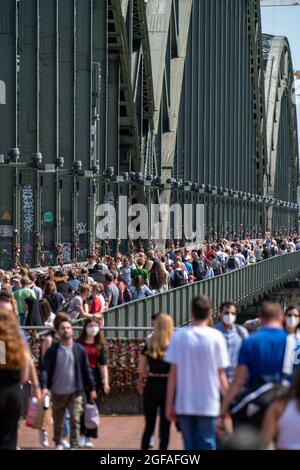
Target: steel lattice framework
<point>282,138</point>
<point>169,89</point>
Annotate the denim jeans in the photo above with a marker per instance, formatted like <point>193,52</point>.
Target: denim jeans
<point>199,432</point>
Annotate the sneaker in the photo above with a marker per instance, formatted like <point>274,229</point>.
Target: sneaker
<point>59,447</point>
<point>88,443</point>
<point>43,438</point>
<point>151,443</point>
<point>65,444</point>
<point>82,441</point>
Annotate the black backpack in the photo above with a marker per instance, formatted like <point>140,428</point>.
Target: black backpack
<point>127,295</point>
<point>250,407</point>
<point>199,269</point>
<point>178,279</point>
<point>232,264</point>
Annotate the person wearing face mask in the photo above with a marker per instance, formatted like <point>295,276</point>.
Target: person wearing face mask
<point>94,344</point>
<point>292,327</point>
<point>233,334</point>
<point>292,320</point>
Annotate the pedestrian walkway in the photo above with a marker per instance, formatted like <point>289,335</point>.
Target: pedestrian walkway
<point>116,433</point>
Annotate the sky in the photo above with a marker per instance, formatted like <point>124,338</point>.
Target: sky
<point>285,21</point>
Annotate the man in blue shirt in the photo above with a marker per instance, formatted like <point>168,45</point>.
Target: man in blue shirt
<point>261,355</point>
<point>188,265</point>
<point>233,334</point>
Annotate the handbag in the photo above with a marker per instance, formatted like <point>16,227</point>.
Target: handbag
<point>91,416</point>
<point>251,405</point>
<point>37,416</point>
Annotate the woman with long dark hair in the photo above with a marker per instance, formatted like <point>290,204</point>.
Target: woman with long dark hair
<point>34,314</point>
<point>153,379</point>
<point>158,277</point>
<point>47,315</point>
<point>94,344</point>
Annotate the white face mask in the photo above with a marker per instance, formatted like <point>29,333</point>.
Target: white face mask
<point>292,322</point>
<point>229,319</point>
<point>92,330</point>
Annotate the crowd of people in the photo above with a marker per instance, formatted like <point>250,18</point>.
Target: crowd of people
<point>206,377</point>
<point>91,290</point>
<point>211,379</point>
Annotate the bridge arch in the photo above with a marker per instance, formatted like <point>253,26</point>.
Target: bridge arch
<point>282,139</point>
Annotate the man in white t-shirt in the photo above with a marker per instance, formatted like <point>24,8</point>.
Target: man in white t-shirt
<point>198,356</point>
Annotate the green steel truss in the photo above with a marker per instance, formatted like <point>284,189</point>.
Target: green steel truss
<point>170,88</point>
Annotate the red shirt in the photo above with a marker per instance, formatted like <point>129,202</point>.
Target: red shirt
<point>210,254</point>
<point>92,354</point>
<point>97,305</point>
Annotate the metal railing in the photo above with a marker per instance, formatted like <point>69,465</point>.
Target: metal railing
<point>244,286</point>
<point>122,353</point>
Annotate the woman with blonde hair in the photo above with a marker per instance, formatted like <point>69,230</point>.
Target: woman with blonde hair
<point>153,378</point>
<point>14,370</point>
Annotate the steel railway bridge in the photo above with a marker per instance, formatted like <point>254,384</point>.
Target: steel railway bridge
<point>160,100</point>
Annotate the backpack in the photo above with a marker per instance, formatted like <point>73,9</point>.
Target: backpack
<point>232,264</point>
<point>216,267</point>
<point>199,270</point>
<point>127,295</point>
<point>273,251</point>
<point>245,253</point>
<point>240,332</point>
<point>66,306</point>
<point>222,260</point>
<point>178,279</point>
<point>251,405</point>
